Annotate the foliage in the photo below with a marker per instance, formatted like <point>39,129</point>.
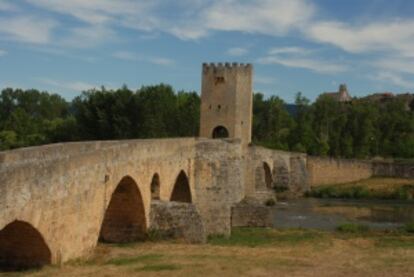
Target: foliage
<point>352,228</point>
<point>358,129</point>
<point>409,227</point>
<point>270,202</point>
<point>32,118</point>
<point>374,188</point>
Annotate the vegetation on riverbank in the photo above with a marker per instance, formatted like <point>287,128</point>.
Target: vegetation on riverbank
<point>358,129</point>
<point>253,251</point>
<point>374,188</point>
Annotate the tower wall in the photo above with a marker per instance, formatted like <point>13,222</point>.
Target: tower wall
<point>226,100</point>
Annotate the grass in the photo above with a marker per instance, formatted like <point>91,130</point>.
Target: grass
<point>254,237</point>
<point>124,261</point>
<point>374,188</point>
<point>255,252</point>
<point>352,228</point>
<point>159,267</point>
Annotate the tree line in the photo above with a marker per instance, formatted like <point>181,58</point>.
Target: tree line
<point>356,129</point>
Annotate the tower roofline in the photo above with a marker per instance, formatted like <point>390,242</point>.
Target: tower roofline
<point>227,65</point>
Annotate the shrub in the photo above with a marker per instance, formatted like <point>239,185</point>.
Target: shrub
<point>352,228</point>
<point>270,202</point>
<point>409,227</point>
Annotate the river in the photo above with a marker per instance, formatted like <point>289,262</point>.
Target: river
<point>327,214</point>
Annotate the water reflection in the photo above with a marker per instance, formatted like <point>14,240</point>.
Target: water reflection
<point>328,213</point>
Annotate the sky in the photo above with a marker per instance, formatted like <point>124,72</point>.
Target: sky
<point>310,46</point>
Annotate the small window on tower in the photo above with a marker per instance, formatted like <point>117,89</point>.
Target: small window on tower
<point>219,80</point>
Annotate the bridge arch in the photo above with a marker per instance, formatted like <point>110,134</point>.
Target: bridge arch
<point>281,175</point>
<point>155,187</point>
<point>267,175</point>
<point>22,247</point>
<point>124,219</point>
<point>181,191</point>
<point>264,178</point>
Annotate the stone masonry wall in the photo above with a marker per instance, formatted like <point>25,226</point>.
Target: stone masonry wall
<point>329,171</point>
<point>251,213</point>
<point>63,190</point>
<point>393,169</point>
<point>288,170</point>
<point>219,182</point>
<point>177,220</point>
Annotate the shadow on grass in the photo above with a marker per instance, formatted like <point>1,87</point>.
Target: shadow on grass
<point>124,261</point>
<point>159,267</point>
<point>253,237</point>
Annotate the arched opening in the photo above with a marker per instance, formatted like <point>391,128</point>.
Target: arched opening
<point>268,175</point>
<point>155,187</point>
<point>281,176</point>
<point>220,132</point>
<point>181,191</point>
<point>124,219</point>
<point>22,247</point>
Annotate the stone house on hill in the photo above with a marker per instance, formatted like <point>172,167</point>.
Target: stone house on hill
<point>341,96</point>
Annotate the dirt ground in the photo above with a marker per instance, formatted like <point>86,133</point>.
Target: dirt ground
<point>254,253</point>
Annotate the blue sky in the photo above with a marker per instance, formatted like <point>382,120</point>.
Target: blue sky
<point>295,45</point>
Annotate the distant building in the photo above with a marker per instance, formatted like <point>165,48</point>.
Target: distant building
<point>341,96</point>
<point>383,97</point>
<point>380,97</point>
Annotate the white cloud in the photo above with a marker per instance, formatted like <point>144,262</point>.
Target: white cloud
<point>264,80</point>
<point>395,64</point>
<point>161,61</point>
<point>289,50</point>
<point>313,65</point>
<point>125,55</point>
<point>133,57</point>
<point>298,57</point>
<point>196,18</point>
<point>77,86</point>
<point>7,6</point>
<point>271,17</point>
<point>88,36</point>
<point>237,51</point>
<point>95,11</point>
<point>395,36</point>
<point>3,52</point>
<point>27,29</point>
<point>396,79</point>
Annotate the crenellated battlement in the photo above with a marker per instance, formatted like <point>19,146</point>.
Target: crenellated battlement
<point>226,66</point>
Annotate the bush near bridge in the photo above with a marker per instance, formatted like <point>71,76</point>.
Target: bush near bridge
<point>373,188</point>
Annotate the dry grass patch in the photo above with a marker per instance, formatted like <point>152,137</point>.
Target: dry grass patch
<point>254,252</point>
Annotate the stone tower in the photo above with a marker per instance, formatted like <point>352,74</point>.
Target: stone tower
<point>227,101</point>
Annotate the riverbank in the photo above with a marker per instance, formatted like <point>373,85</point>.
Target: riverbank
<point>373,188</point>
<point>254,252</point>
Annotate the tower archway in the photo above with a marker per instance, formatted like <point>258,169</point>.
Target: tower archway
<point>124,219</point>
<point>181,191</point>
<point>22,247</point>
<point>220,132</point>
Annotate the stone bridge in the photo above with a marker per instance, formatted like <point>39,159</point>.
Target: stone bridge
<point>57,201</point>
